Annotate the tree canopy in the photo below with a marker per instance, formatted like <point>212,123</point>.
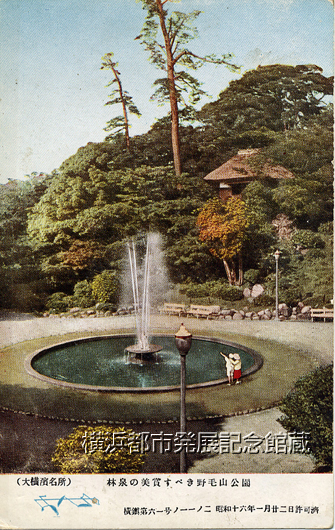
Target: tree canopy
<point>269,98</point>
<point>119,96</point>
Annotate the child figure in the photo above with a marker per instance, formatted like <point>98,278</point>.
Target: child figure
<point>236,361</point>
<point>229,367</point>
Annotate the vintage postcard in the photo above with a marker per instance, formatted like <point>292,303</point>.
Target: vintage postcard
<point>166,255</point>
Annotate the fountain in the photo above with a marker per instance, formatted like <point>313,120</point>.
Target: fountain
<point>114,364</point>
<point>142,352</point>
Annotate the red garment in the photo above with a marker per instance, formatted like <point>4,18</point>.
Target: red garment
<point>237,374</point>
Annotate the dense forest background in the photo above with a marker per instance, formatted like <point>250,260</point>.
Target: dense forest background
<point>62,235</point>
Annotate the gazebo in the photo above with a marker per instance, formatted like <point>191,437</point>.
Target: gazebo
<point>232,177</point>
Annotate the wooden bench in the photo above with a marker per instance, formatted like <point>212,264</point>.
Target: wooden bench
<point>204,311</point>
<point>173,309</point>
<point>323,313</point>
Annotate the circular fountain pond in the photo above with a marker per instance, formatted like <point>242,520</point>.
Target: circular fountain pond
<point>102,364</point>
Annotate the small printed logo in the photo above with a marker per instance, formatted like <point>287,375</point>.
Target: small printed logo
<point>80,502</point>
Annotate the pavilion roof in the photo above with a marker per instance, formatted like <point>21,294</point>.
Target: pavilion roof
<point>238,169</point>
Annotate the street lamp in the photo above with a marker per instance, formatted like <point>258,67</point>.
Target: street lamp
<point>183,342</point>
<point>276,255</point>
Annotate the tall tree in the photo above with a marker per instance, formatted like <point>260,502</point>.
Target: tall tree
<point>223,226</point>
<point>270,98</point>
<point>119,96</point>
<point>177,30</point>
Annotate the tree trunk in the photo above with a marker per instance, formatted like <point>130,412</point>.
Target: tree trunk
<point>228,272</point>
<point>240,270</point>
<point>172,92</point>
<point>124,108</point>
<point>230,269</point>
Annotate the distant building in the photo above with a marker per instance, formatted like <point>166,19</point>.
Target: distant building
<point>233,176</point>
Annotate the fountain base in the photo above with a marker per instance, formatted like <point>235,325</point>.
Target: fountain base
<point>137,355</point>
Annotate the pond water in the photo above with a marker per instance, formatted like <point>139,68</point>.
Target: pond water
<point>103,362</point>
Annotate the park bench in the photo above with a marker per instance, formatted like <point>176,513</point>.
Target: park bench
<point>173,309</point>
<point>204,311</point>
<point>323,313</point>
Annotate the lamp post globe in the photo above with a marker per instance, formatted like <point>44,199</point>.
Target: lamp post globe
<point>183,340</point>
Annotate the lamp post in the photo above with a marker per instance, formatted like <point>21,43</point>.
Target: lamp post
<point>183,342</point>
<point>276,255</point>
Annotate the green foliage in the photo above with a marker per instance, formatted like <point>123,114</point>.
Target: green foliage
<point>82,294</point>
<point>259,202</point>
<point>315,301</point>
<point>21,279</point>
<point>252,276</point>
<point>69,456</point>
<point>309,408</point>
<point>213,289</point>
<point>100,306</point>
<point>227,292</point>
<point>275,97</point>
<point>307,239</point>
<point>61,229</point>
<point>58,302</point>
<point>189,260</point>
<point>302,272</point>
<point>26,297</point>
<point>264,300</point>
<point>105,287</point>
<point>327,229</point>
<point>316,271</point>
<point>318,277</point>
<point>290,295</point>
<point>308,198</point>
<point>260,235</point>
<point>180,30</point>
<point>119,96</point>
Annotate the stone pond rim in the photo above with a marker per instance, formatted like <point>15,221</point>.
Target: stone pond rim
<point>256,365</point>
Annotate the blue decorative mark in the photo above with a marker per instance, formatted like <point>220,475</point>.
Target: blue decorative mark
<point>80,502</point>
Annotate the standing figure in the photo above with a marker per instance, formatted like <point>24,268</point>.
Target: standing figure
<point>229,367</point>
<point>237,368</point>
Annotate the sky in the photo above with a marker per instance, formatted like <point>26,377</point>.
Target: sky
<point>53,91</point>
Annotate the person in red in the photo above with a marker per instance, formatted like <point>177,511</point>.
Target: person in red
<point>237,367</point>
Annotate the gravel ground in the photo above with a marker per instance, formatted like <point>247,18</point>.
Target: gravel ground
<point>313,337</point>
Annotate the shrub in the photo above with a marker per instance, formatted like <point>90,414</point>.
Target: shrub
<point>264,300</point>
<point>309,408</point>
<point>251,276</point>
<point>70,455</point>
<point>290,296</point>
<point>105,287</point>
<point>82,294</point>
<point>105,307</point>
<point>326,228</point>
<point>197,291</point>
<point>58,302</point>
<point>315,301</point>
<point>214,289</point>
<point>227,292</point>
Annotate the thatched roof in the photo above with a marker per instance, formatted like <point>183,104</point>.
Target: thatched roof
<point>237,169</point>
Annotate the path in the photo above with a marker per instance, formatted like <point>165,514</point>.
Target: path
<point>277,460</point>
